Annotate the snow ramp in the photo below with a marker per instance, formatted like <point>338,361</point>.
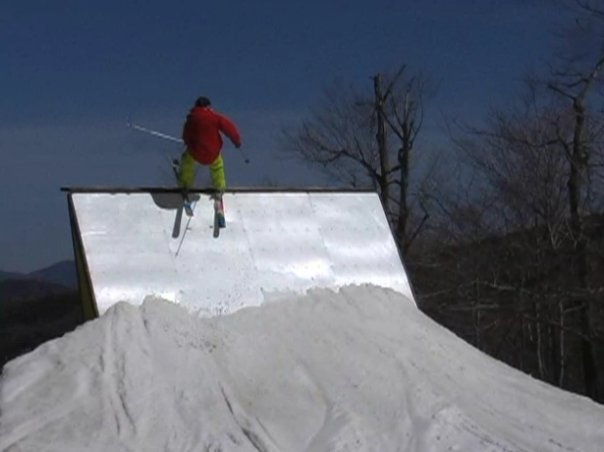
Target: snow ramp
<point>131,244</point>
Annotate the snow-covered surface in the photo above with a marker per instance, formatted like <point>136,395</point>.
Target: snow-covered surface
<point>274,241</point>
<point>358,369</point>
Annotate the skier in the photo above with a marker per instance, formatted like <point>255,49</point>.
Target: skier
<point>201,134</point>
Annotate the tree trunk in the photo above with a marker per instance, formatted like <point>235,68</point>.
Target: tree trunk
<point>404,155</point>
<point>562,347</point>
<point>403,218</point>
<point>539,339</point>
<point>381,142</point>
<point>578,163</point>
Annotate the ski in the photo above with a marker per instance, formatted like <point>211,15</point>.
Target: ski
<point>186,201</point>
<point>219,220</point>
<point>219,210</point>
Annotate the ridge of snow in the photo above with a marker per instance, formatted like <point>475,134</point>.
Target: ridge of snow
<point>357,369</point>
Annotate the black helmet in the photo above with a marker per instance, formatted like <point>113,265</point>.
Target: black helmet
<point>202,102</point>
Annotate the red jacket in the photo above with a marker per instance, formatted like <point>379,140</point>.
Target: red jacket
<point>201,134</point>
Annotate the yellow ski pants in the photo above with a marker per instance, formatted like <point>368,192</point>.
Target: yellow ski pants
<point>188,165</point>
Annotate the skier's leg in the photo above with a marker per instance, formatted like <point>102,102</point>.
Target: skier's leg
<point>217,174</point>
<point>186,175</point>
<point>219,183</point>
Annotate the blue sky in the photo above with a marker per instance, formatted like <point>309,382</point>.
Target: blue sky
<point>73,73</point>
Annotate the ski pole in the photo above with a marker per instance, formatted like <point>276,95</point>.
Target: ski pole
<point>171,138</point>
<point>243,155</point>
<point>154,133</point>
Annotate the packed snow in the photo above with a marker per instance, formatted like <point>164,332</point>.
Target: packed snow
<point>357,369</point>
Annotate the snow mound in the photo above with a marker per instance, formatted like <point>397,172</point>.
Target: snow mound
<point>358,369</point>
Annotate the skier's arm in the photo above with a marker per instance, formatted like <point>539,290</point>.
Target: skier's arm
<point>230,130</point>
<point>187,131</point>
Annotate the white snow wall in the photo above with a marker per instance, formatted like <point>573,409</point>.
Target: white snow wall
<point>134,244</point>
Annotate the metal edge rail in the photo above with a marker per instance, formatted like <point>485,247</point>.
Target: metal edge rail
<point>211,190</point>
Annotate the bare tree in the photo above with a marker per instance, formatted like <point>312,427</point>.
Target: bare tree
<point>539,170</point>
<point>402,107</point>
<point>338,138</point>
<point>505,271</point>
<point>575,76</point>
<point>364,141</point>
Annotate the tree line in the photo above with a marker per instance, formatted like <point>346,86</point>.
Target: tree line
<point>506,247</point>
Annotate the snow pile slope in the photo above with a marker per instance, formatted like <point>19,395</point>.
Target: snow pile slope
<point>360,369</point>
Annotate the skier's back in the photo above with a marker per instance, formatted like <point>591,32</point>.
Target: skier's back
<point>202,136</point>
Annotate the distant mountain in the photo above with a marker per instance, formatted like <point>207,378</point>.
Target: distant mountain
<point>11,275</point>
<point>62,273</point>
<point>21,289</point>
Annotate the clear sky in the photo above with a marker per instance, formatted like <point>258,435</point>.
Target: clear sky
<point>73,73</point>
